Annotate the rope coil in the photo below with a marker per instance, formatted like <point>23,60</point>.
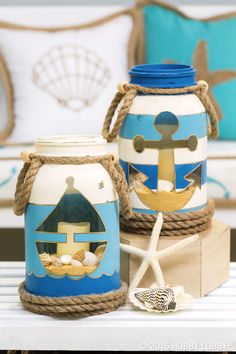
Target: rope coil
<point>175,224</point>
<point>128,92</point>
<point>73,306</point>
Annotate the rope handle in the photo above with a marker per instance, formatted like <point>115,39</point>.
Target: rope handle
<point>33,162</point>
<point>25,181</point>
<point>127,93</point>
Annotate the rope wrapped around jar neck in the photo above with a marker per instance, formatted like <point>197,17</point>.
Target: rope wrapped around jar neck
<point>128,92</point>
<point>33,163</point>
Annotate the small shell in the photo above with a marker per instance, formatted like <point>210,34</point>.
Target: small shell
<point>76,263</point>
<point>165,185</point>
<point>160,299</point>
<point>56,262</point>
<point>100,252</point>
<point>66,259</point>
<point>45,259</point>
<point>79,256</point>
<point>90,259</point>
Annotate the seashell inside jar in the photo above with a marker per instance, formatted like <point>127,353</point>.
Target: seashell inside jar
<point>72,223</point>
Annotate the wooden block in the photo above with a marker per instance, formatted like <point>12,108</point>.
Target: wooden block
<point>200,267</point>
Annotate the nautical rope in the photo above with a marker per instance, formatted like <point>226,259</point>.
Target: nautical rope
<point>127,93</point>
<point>33,162</point>
<point>73,306</point>
<point>175,224</point>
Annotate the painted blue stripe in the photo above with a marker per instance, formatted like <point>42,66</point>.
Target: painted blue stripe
<point>143,124</point>
<point>151,171</point>
<point>149,211</point>
<point>48,286</point>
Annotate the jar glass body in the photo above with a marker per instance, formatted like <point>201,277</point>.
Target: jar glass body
<point>72,224</point>
<point>163,143</point>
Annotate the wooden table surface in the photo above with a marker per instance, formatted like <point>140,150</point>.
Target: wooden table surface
<point>210,325</point>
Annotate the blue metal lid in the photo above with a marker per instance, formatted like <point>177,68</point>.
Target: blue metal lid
<point>162,75</point>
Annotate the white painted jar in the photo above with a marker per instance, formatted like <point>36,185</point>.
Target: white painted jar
<point>72,223</point>
<point>163,143</point>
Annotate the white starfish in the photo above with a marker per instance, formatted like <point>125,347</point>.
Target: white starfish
<point>151,256</point>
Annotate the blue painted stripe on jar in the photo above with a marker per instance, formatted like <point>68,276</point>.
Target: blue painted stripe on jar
<point>143,124</point>
<point>151,171</point>
<point>150,211</point>
<point>48,286</point>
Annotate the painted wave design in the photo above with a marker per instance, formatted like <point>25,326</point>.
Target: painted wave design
<point>47,286</point>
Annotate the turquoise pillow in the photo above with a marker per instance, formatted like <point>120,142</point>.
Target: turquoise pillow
<point>210,46</point>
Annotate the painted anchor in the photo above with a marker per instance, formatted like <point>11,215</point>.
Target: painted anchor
<point>165,198</point>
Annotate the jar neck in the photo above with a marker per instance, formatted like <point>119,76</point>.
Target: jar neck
<point>163,75</point>
<point>71,146</point>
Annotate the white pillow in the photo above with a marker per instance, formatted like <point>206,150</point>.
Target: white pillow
<point>6,101</point>
<point>50,69</point>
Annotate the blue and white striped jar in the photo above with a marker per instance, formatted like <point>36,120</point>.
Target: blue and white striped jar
<point>169,169</point>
